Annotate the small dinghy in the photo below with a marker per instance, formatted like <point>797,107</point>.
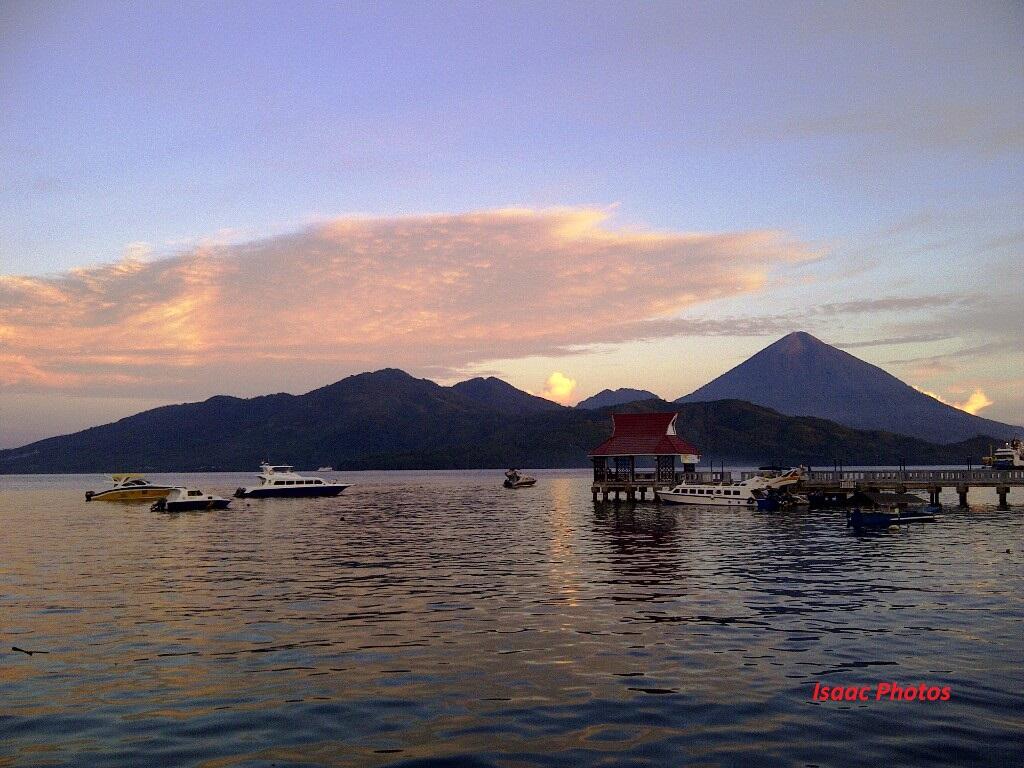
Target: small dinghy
<point>189,500</point>
<point>515,480</point>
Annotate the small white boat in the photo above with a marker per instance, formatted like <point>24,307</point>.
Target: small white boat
<point>325,469</point>
<point>189,500</point>
<point>281,480</point>
<point>515,480</point>
<point>740,494</point>
<point>130,487</point>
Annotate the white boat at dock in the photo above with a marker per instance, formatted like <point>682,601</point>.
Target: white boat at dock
<point>1010,456</point>
<point>737,494</point>
<point>281,480</point>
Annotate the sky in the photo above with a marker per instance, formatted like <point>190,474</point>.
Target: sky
<point>243,198</point>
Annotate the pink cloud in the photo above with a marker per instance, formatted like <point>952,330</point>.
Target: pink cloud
<point>425,292</point>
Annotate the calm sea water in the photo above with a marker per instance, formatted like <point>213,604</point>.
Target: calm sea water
<point>433,619</point>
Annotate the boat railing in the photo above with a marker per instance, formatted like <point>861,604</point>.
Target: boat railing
<point>611,475</point>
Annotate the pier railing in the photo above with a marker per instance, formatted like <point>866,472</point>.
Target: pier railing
<point>915,476</point>
<point>654,478</point>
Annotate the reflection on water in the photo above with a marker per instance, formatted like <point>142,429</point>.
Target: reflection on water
<point>429,617</point>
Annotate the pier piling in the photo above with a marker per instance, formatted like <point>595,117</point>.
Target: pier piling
<point>961,491</point>
<point>1003,490</point>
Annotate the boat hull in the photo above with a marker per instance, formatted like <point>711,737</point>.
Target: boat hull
<point>290,491</point>
<point>706,501</point>
<point>196,505</point>
<point>152,493</point>
<point>861,520</point>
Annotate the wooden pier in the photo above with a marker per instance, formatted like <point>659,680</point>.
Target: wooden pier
<point>903,480</point>
<point>628,483</point>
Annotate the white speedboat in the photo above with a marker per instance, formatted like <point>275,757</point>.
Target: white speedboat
<point>189,500</point>
<point>282,480</point>
<point>740,494</point>
<point>515,480</point>
<point>1010,456</point>
<point>130,487</point>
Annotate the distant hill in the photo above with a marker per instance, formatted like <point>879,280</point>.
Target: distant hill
<point>391,420</point>
<point>800,375</point>
<point>502,396</point>
<point>608,397</point>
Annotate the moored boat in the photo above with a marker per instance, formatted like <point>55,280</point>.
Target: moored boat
<point>515,480</point>
<point>281,480</point>
<point>130,487</point>
<point>772,499</point>
<point>879,511</point>
<point>739,494</point>
<point>1010,456</point>
<point>182,499</point>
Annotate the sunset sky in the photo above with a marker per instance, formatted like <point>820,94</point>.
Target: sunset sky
<point>243,198</point>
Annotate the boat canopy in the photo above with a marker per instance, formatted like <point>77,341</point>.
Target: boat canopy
<point>883,499</point>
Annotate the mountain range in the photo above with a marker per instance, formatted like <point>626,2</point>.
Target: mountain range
<point>800,375</point>
<point>390,420</point>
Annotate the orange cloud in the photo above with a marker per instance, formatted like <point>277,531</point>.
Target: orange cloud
<point>971,405</point>
<point>975,402</point>
<point>431,293</point>
<point>559,388</point>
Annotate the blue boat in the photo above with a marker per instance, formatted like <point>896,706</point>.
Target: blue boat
<point>880,511</point>
<point>860,520</point>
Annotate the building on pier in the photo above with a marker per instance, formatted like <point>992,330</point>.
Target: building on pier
<point>641,454</point>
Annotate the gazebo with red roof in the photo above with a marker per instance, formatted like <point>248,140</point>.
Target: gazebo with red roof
<point>642,435</point>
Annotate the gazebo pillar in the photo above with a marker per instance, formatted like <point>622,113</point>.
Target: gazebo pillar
<point>666,469</point>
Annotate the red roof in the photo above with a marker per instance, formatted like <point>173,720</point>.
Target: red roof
<point>644,434</point>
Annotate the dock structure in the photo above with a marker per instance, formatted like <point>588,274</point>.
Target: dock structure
<point>849,481</point>
<point>845,483</point>
<point>640,456</point>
